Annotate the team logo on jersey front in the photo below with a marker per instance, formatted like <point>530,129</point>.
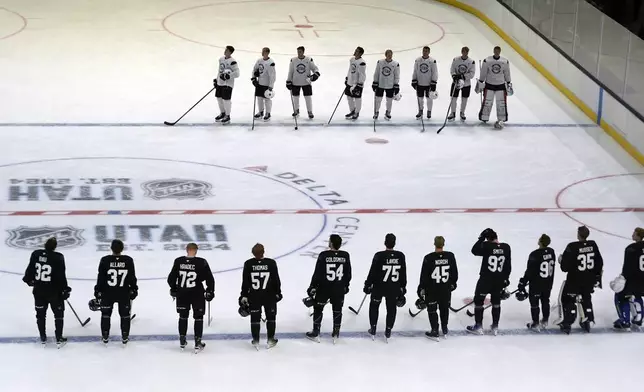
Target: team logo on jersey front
<point>496,68</point>
<point>261,68</point>
<point>300,68</point>
<point>353,68</point>
<point>386,71</point>
<point>175,188</point>
<point>462,69</point>
<point>424,68</point>
<point>33,238</point>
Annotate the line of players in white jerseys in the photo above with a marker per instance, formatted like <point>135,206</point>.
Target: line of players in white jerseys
<point>494,83</point>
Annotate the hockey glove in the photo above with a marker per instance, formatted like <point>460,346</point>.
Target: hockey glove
<point>509,89</point>
<point>367,289</point>
<point>255,82</point>
<point>346,82</point>
<point>214,82</point>
<point>134,292</point>
<point>256,74</point>
<point>346,289</point>
<point>311,291</point>
<point>289,85</point>
<point>209,295</point>
<point>414,84</point>
<point>401,301</point>
<point>452,286</point>
<point>432,86</point>
<point>356,91</point>
<point>65,293</point>
<point>173,292</point>
<point>403,290</point>
<point>315,76</point>
<point>374,86</point>
<point>522,284</point>
<point>243,301</point>
<point>506,283</point>
<point>455,78</point>
<point>396,89</point>
<point>30,283</point>
<point>278,297</point>
<point>420,304</point>
<point>421,294</point>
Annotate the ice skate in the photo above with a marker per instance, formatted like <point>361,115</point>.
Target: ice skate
<point>451,116</point>
<point>432,335</point>
<point>220,117</point>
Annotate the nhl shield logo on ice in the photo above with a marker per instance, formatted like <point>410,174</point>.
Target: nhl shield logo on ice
<point>175,188</point>
<point>32,238</point>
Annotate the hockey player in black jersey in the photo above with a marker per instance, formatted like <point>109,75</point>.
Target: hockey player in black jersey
<point>330,283</point>
<point>494,277</point>
<point>584,264</point>
<point>46,274</point>
<point>539,276</point>
<point>629,286</point>
<point>186,286</point>
<point>116,284</point>
<point>387,279</point>
<point>261,288</point>
<point>438,278</point>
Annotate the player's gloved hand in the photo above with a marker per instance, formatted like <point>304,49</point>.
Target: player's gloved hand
<point>367,289</point>
<point>278,297</point>
<point>522,284</point>
<point>346,82</point>
<point>173,292</point>
<point>226,74</point>
<point>401,301</point>
<point>421,293</point>
<point>432,86</point>
<point>65,293</point>
<point>509,89</point>
<point>374,86</point>
<point>506,283</point>
<point>214,82</point>
<point>396,89</point>
<point>134,292</point>
<point>289,85</point>
<point>256,74</point>
<point>455,78</point>
<point>209,295</point>
<point>243,301</point>
<point>356,91</point>
<point>403,291</point>
<point>311,291</point>
<point>414,84</point>
<point>30,282</point>
<point>255,82</point>
<point>346,289</point>
<point>270,88</point>
<point>315,76</point>
<point>452,286</point>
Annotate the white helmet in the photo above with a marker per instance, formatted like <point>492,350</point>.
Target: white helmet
<point>433,94</point>
<point>617,285</point>
<point>269,94</point>
<point>397,97</point>
<point>509,89</point>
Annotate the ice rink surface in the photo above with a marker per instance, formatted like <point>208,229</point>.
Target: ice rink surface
<point>86,86</point>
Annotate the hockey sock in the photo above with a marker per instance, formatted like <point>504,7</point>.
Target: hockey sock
<point>337,319</point>
<point>220,102</point>
<point>374,310</point>
<point>452,105</point>
<point>125,326</point>
<point>106,324</point>
<point>309,103</point>
<point>352,104</point>
<point>227,106</point>
<point>41,322</point>
<point>463,105</point>
<point>58,323</point>
<point>377,103</point>
<point>444,316</point>
<point>391,318</point>
<point>534,311</point>
<point>260,104</point>
<point>358,102</point>
<point>296,102</point>
<point>430,104</point>
<point>254,330</point>
<point>433,320</point>
<point>183,326</point>
<point>317,317</point>
<point>478,314</point>
<point>270,329</point>
<point>421,103</point>
<point>390,102</point>
<point>496,314</point>
<point>269,105</point>
<point>198,329</point>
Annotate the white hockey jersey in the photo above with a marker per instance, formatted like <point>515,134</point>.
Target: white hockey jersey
<point>495,71</point>
<point>425,71</point>
<point>387,73</point>
<point>301,70</point>
<point>357,74</point>
<point>266,69</point>
<point>233,69</point>
<point>466,67</point>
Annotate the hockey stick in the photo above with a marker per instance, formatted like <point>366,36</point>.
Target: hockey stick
<point>76,314</point>
<point>193,106</point>
<point>359,307</point>
<point>462,307</point>
<point>252,128</point>
<point>471,314</point>
<point>336,107</point>
<point>374,113</point>
<point>293,105</point>
<point>209,317</point>
<point>421,131</point>
<point>133,315</point>
<point>451,92</point>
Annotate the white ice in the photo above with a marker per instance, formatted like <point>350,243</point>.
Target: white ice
<point>84,86</point>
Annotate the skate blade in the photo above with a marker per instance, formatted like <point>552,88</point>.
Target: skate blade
<point>433,339</point>
<point>386,340</point>
<point>61,345</point>
<point>335,340</point>
<point>477,332</point>
<point>314,339</point>
<point>198,350</point>
<point>494,332</point>
<point>270,346</point>
<point>256,347</point>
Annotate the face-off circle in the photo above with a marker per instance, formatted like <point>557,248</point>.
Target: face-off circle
<point>11,23</point>
<point>327,28</point>
<point>167,190</point>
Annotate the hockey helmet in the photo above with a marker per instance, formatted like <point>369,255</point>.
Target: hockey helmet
<point>420,304</point>
<point>269,94</point>
<point>401,301</point>
<point>433,94</point>
<point>94,304</point>
<point>521,295</point>
<point>505,294</point>
<point>460,84</point>
<point>244,310</point>
<point>308,302</point>
<point>509,89</point>
<point>397,97</point>
<point>617,284</point>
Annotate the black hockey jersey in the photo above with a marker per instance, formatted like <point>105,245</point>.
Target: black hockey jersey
<point>540,272</point>
<point>332,271</point>
<point>388,273</point>
<point>496,265</point>
<point>583,262</point>
<point>46,270</point>
<point>260,279</point>
<point>438,273</point>
<point>188,274</point>
<point>116,276</point>
<point>633,268</point>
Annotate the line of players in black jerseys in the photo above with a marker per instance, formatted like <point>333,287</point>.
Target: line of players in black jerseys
<point>494,83</point>
<point>192,286</point>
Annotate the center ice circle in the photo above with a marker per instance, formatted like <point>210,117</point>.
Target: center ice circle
<point>11,23</point>
<point>121,184</point>
<point>326,28</point>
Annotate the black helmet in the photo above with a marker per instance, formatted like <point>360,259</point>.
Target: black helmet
<point>420,304</point>
<point>521,295</point>
<point>244,310</point>
<point>94,304</point>
<point>308,302</point>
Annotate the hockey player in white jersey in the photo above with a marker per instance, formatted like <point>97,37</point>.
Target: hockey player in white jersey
<point>224,83</point>
<point>423,80</point>
<point>301,73</point>
<point>386,77</point>
<point>354,83</point>
<point>496,84</point>
<point>463,71</point>
<point>264,79</point>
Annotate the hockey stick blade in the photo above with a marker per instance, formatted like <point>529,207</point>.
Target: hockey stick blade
<point>353,310</point>
<point>86,322</point>
<point>412,314</point>
<point>133,316</point>
<point>169,123</point>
